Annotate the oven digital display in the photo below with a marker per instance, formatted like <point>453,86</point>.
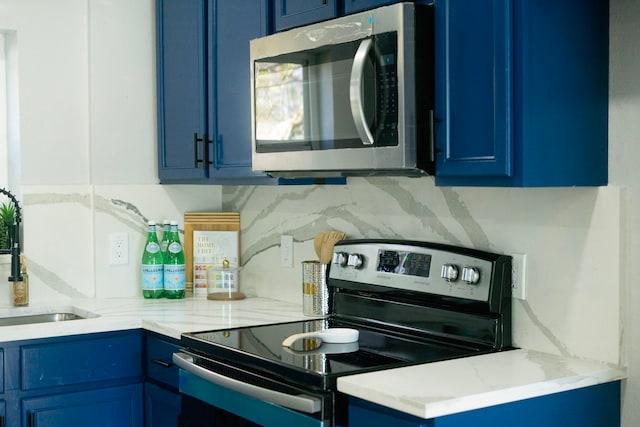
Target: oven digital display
<point>405,263</point>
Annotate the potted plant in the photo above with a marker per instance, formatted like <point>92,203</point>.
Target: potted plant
<point>7,219</point>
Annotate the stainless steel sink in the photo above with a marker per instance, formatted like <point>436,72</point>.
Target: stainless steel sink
<point>39,318</point>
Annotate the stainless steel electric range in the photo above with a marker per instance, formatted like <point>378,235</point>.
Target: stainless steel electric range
<point>412,303</point>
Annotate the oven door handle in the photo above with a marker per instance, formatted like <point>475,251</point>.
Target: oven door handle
<point>306,404</point>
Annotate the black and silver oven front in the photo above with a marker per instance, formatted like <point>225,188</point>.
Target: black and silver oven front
<point>248,398</point>
<point>411,302</point>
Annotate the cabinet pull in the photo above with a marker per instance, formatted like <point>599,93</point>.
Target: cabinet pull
<point>161,363</point>
<point>32,419</point>
<point>432,136</point>
<point>205,151</point>
<point>2,421</point>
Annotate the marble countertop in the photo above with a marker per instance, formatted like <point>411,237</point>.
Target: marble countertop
<point>426,391</point>
<point>167,317</point>
<point>454,386</point>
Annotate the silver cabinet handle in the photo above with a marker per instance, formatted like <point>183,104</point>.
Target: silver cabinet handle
<point>306,404</point>
<point>355,92</point>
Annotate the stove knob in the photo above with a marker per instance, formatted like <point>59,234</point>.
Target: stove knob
<point>340,258</point>
<point>356,261</point>
<point>449,272</point>
<point>471,275</point>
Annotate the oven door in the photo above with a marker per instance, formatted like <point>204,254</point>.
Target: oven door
<point>250,396</point>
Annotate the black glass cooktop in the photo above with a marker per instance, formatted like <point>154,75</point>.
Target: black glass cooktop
<point>261,348</point>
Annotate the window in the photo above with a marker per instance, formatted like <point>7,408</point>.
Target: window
<point>4,147</point>
<point>9,129</point>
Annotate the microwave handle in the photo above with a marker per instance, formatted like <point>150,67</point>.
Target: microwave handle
<point>355,92</point>
<point>303,403</point>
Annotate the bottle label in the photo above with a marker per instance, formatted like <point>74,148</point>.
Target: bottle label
<point>152,276</point>
<point>175,247</point>
<point>174,277</point>
<point>153,247</point>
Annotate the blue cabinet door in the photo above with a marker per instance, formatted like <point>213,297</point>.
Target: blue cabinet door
<point>182,90</point>
<point>474,98</point>
<point>236,24</point>
<point>521,93</point>
<point>108,407</point>
<point>294,13</point>
<point>161,407</point>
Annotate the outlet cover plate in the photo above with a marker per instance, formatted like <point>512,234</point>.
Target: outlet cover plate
<point>286,251</point>
<point>518,276</point>
<point>118,248</point>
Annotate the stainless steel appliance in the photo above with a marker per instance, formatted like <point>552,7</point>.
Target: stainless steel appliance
<point>349,96</point>
<point>411,303</point>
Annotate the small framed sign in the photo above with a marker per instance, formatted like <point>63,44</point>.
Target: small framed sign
<point>209,239</point>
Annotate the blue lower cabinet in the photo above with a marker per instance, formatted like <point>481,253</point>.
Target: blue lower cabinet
<point>162,401</point>
<point>81,380</point>
<point>595,406</point>
<point>162,407</point>
<point>117,406</point>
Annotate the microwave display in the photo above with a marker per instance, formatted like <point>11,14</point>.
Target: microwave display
<point>304,100</point>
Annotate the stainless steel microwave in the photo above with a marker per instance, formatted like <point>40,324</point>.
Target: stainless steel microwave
<point>346,97</point>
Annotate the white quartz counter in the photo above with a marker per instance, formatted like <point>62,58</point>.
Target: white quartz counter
<point>454,386</point>
<point>168,317</point>
<point>426,391</point>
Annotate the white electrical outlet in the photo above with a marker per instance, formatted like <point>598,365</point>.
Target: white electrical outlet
<point>286,251</point>
<point>118,248</point>
<point>518,276</point>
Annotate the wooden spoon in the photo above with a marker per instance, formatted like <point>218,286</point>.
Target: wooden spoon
<point>317,243</point>
<point>331,237</point>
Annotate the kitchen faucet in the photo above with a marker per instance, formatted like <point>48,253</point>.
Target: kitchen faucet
<point>16,274</point>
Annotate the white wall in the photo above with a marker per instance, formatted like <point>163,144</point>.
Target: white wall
<point>624,156</point>
<point>87,115</point>
<point>86,73</point>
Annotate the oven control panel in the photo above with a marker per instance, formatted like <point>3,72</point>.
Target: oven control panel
<point>438,270</point>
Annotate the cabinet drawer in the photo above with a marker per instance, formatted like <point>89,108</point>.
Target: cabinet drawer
<point>158,360</point>
<point>69,361</point>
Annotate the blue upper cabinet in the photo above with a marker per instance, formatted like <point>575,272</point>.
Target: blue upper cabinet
<point>521,93</point>
<point>204,114</point>
<point>182,88</point>
<point>237,22</point>
<point>294,13</point>
<point>353,6</point>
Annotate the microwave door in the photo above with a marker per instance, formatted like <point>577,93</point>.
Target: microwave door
<point>302,101</point>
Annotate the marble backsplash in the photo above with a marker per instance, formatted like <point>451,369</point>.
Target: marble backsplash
<point>571,237</point>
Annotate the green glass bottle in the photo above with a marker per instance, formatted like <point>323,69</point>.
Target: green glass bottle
<point>152,265</point>
<point>166,231</point>
<point>174,266</point>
